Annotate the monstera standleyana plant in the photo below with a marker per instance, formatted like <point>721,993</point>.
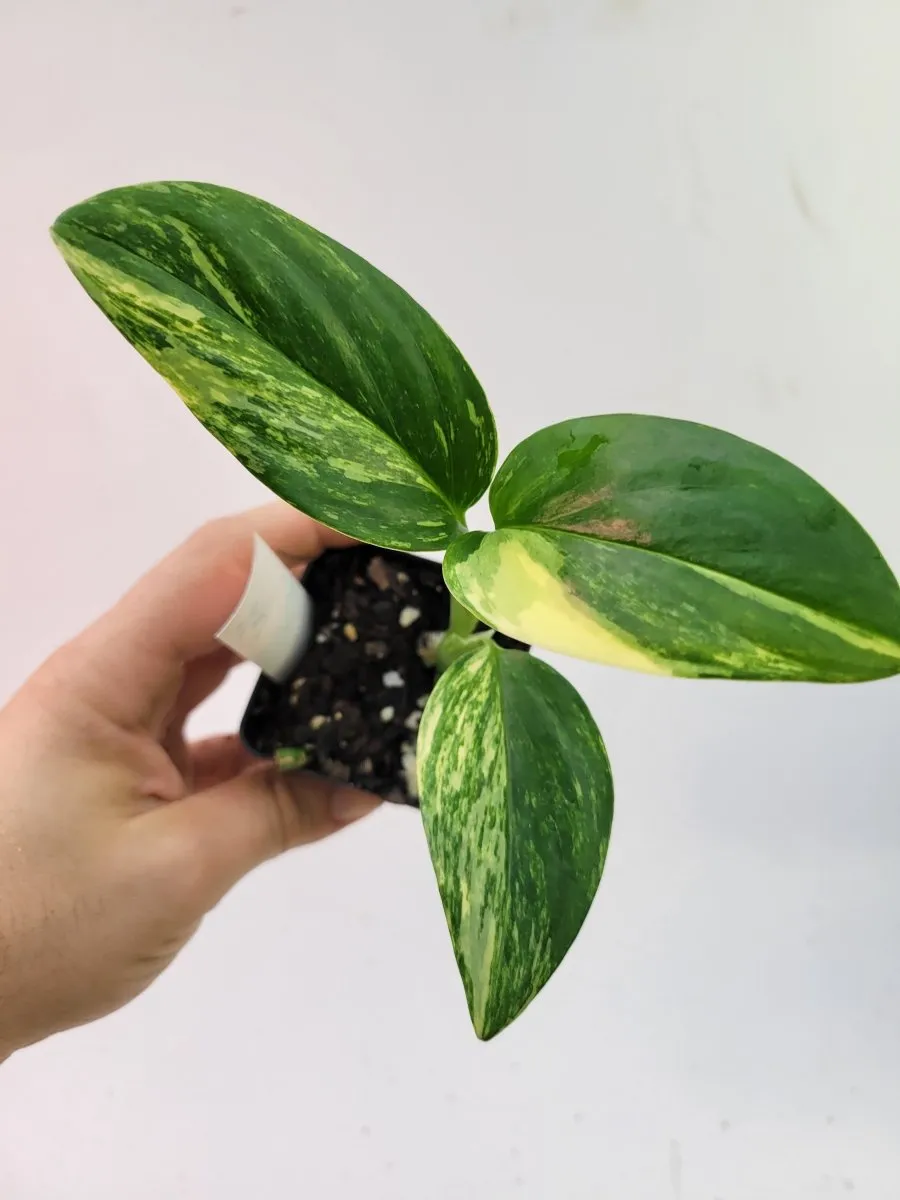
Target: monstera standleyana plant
<point>643,542</point>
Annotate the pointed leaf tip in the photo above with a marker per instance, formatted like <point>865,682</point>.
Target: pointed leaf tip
<point>322,376</point>
<point>517,802</point>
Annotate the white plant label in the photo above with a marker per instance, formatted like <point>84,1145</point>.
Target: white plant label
<point>273,622</point>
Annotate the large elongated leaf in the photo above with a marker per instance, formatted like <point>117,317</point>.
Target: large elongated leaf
<point>674,548</point>
<point>517,800</point>
<point>318,372</point>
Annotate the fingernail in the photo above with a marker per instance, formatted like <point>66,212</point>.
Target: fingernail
<point>349,805</point>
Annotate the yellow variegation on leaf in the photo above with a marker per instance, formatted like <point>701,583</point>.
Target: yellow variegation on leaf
<point>647,543</point>
<point>672,548</point>
<point>321,375</point>
<point>517,800</point>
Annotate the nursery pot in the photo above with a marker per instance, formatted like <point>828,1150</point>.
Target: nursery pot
<point>350,708</point>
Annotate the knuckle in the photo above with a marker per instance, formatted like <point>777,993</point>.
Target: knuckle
<point>283,812</point>
<point>223,544</point>
<point>296,815</point>
<point>61,664</point>
<point>212,534</point>
<point>179,866</point>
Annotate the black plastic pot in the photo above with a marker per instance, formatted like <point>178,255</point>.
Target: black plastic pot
<point>351,707</point>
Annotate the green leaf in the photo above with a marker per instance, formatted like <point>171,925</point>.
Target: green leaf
<point>517,801</point>
<point>674,548</point>
<point>321,375</point>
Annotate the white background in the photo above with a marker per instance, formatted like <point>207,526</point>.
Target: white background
<point>686,207</point>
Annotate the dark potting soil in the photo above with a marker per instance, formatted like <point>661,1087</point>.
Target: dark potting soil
<point>351,708</point>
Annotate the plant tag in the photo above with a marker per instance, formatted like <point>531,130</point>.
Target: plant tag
<point>273,622</point>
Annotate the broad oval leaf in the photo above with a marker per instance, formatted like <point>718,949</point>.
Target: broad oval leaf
<point>517,802</point>
<point>669,547</point>
<point>321,375</point>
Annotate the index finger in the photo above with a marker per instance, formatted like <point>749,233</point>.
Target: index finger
<point>134,655</point>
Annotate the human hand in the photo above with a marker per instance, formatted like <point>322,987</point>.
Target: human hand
<point>116,837</point>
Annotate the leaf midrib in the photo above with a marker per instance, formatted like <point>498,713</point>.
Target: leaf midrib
<point>228,315</point>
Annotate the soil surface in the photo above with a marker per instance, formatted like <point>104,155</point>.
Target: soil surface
<point>352,706</point>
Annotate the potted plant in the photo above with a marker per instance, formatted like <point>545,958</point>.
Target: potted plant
<point>637,541</point>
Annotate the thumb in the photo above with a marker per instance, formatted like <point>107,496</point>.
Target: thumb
<point>216,836</point>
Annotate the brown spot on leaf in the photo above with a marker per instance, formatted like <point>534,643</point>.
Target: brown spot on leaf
<point>611,529</point>
<point>570,504</point>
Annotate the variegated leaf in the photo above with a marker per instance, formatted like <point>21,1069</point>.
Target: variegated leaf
<point>673,548</point>
<point>321,375</point>
<point>517,801</point>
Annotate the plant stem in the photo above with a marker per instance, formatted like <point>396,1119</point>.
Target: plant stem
<point>460,637</point>
<point>462,622</point>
